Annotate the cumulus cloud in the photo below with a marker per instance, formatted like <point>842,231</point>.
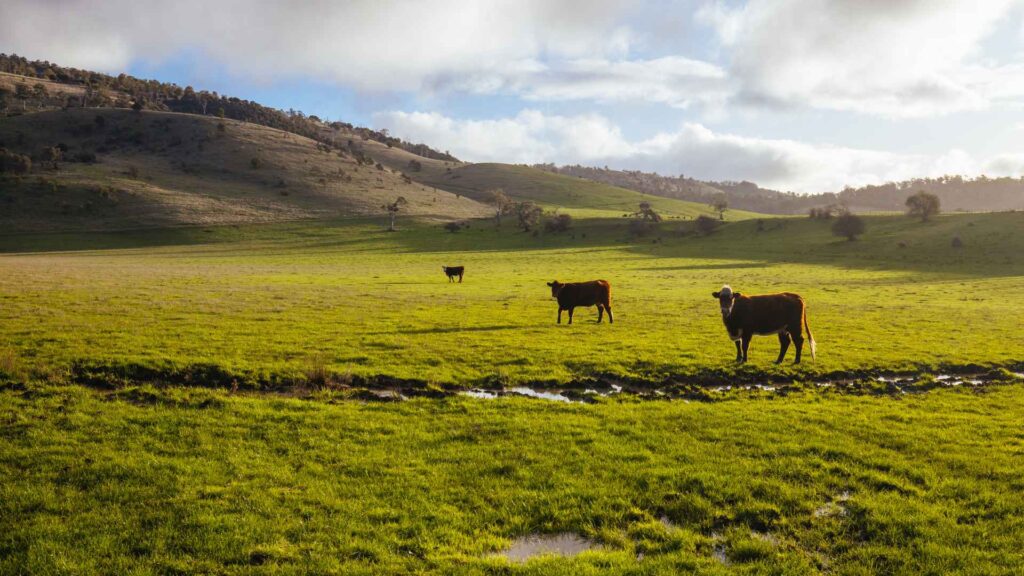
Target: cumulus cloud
<point>672,80</point>
<point>691,149</point>
<point>894,58</point>
<point>395,45</point>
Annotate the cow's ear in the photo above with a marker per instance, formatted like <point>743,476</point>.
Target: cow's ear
<point>715,294</point>
<point>551,283</point>
<point>735,295</point>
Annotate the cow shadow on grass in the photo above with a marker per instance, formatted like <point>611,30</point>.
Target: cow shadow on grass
<point>449,330</point>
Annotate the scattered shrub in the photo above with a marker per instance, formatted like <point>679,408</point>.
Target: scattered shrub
<point>255,163</point>
<point>705,225</point>
<point>957,242</point>
<point>559,223</point>
<point>641,228</point>
<point>13,163</point>
<point>849,226</point>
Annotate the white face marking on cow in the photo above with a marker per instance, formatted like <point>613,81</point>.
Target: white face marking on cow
<point>725,300</point>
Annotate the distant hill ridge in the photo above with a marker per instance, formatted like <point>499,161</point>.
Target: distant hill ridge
<point>96,90</point>
<point>980,194</point>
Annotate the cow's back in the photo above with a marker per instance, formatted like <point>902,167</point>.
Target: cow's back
<point>584,293</point>
<point>767,313</point>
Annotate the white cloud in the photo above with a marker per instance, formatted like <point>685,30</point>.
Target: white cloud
<point>691,149</point>
<point>895,58</point>
<point>396,45</point>
<point>671,80</point>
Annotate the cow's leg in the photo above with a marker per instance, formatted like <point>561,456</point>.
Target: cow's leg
<point>600,313</point>
<point>798,340</point>
<point>460,278</point>
<point>608,309</point>
<point>559,314</point>
<point>746,344</point>
<point>783,345</point>
<point>571,310</point>
<point>739,351</point>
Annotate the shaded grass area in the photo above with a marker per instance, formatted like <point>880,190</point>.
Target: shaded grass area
<point>177,480</point>
<point>261,302</point>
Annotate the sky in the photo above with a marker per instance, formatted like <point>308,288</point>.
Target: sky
<point>797,95</point>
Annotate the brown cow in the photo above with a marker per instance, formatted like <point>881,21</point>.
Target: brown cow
<point>452,271</point>
<point>745,316</point>
<point>575,294</point>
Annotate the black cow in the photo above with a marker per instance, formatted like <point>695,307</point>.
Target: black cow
<point>453,271</point>
<point>782,314</point>
<point>576,294</point>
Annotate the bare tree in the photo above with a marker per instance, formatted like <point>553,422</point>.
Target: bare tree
<point>502,204</point>
<point>528,214</point>
<point>393,209</point>
<point>720,204</point>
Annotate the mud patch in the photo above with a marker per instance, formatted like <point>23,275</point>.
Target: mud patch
<point>836,507</point>
<point>565,545</point>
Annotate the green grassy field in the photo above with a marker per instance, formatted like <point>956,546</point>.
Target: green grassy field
<point>265,303</point>
<point>135,472</point>
<point>184,481</point>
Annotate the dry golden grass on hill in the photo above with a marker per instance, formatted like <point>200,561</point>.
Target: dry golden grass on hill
<point>166,169</point>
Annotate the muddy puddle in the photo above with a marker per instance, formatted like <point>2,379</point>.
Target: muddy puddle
<point>884,384</point>
<point>535,545</point>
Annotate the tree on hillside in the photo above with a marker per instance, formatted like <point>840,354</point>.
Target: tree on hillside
<point>647,213</point>
<point>502,204</point>
<point>21,93</point>
<point>5,94</point>
<point>51,154</point>
<point>528,214</point>
<point>39,93</point>
<point>720,204</point>
<point>848,225</point>
<point>923,205</point>
<point>393,209</point>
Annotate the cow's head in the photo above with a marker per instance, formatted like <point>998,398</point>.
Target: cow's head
<point>445,268</point>
<point>556,287</point>
<point>726,297</point>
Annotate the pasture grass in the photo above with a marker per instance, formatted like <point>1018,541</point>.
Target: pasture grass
<point>148,480</point>
<point>259,302</point>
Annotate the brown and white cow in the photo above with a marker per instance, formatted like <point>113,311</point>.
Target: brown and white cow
<point>573,294</point>
<point>747,316</point>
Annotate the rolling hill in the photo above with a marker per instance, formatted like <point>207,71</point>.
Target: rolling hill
<point>186,157</point>
<point>166,169</point>
<point>577,196</point>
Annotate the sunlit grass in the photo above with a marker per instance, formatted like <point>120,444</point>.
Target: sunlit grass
<point>267,299</point>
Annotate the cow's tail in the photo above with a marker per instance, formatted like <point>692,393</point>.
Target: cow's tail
<point>810,337</point>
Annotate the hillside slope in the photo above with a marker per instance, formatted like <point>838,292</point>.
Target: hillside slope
<point>168,169</point>
<point>553,191</point>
